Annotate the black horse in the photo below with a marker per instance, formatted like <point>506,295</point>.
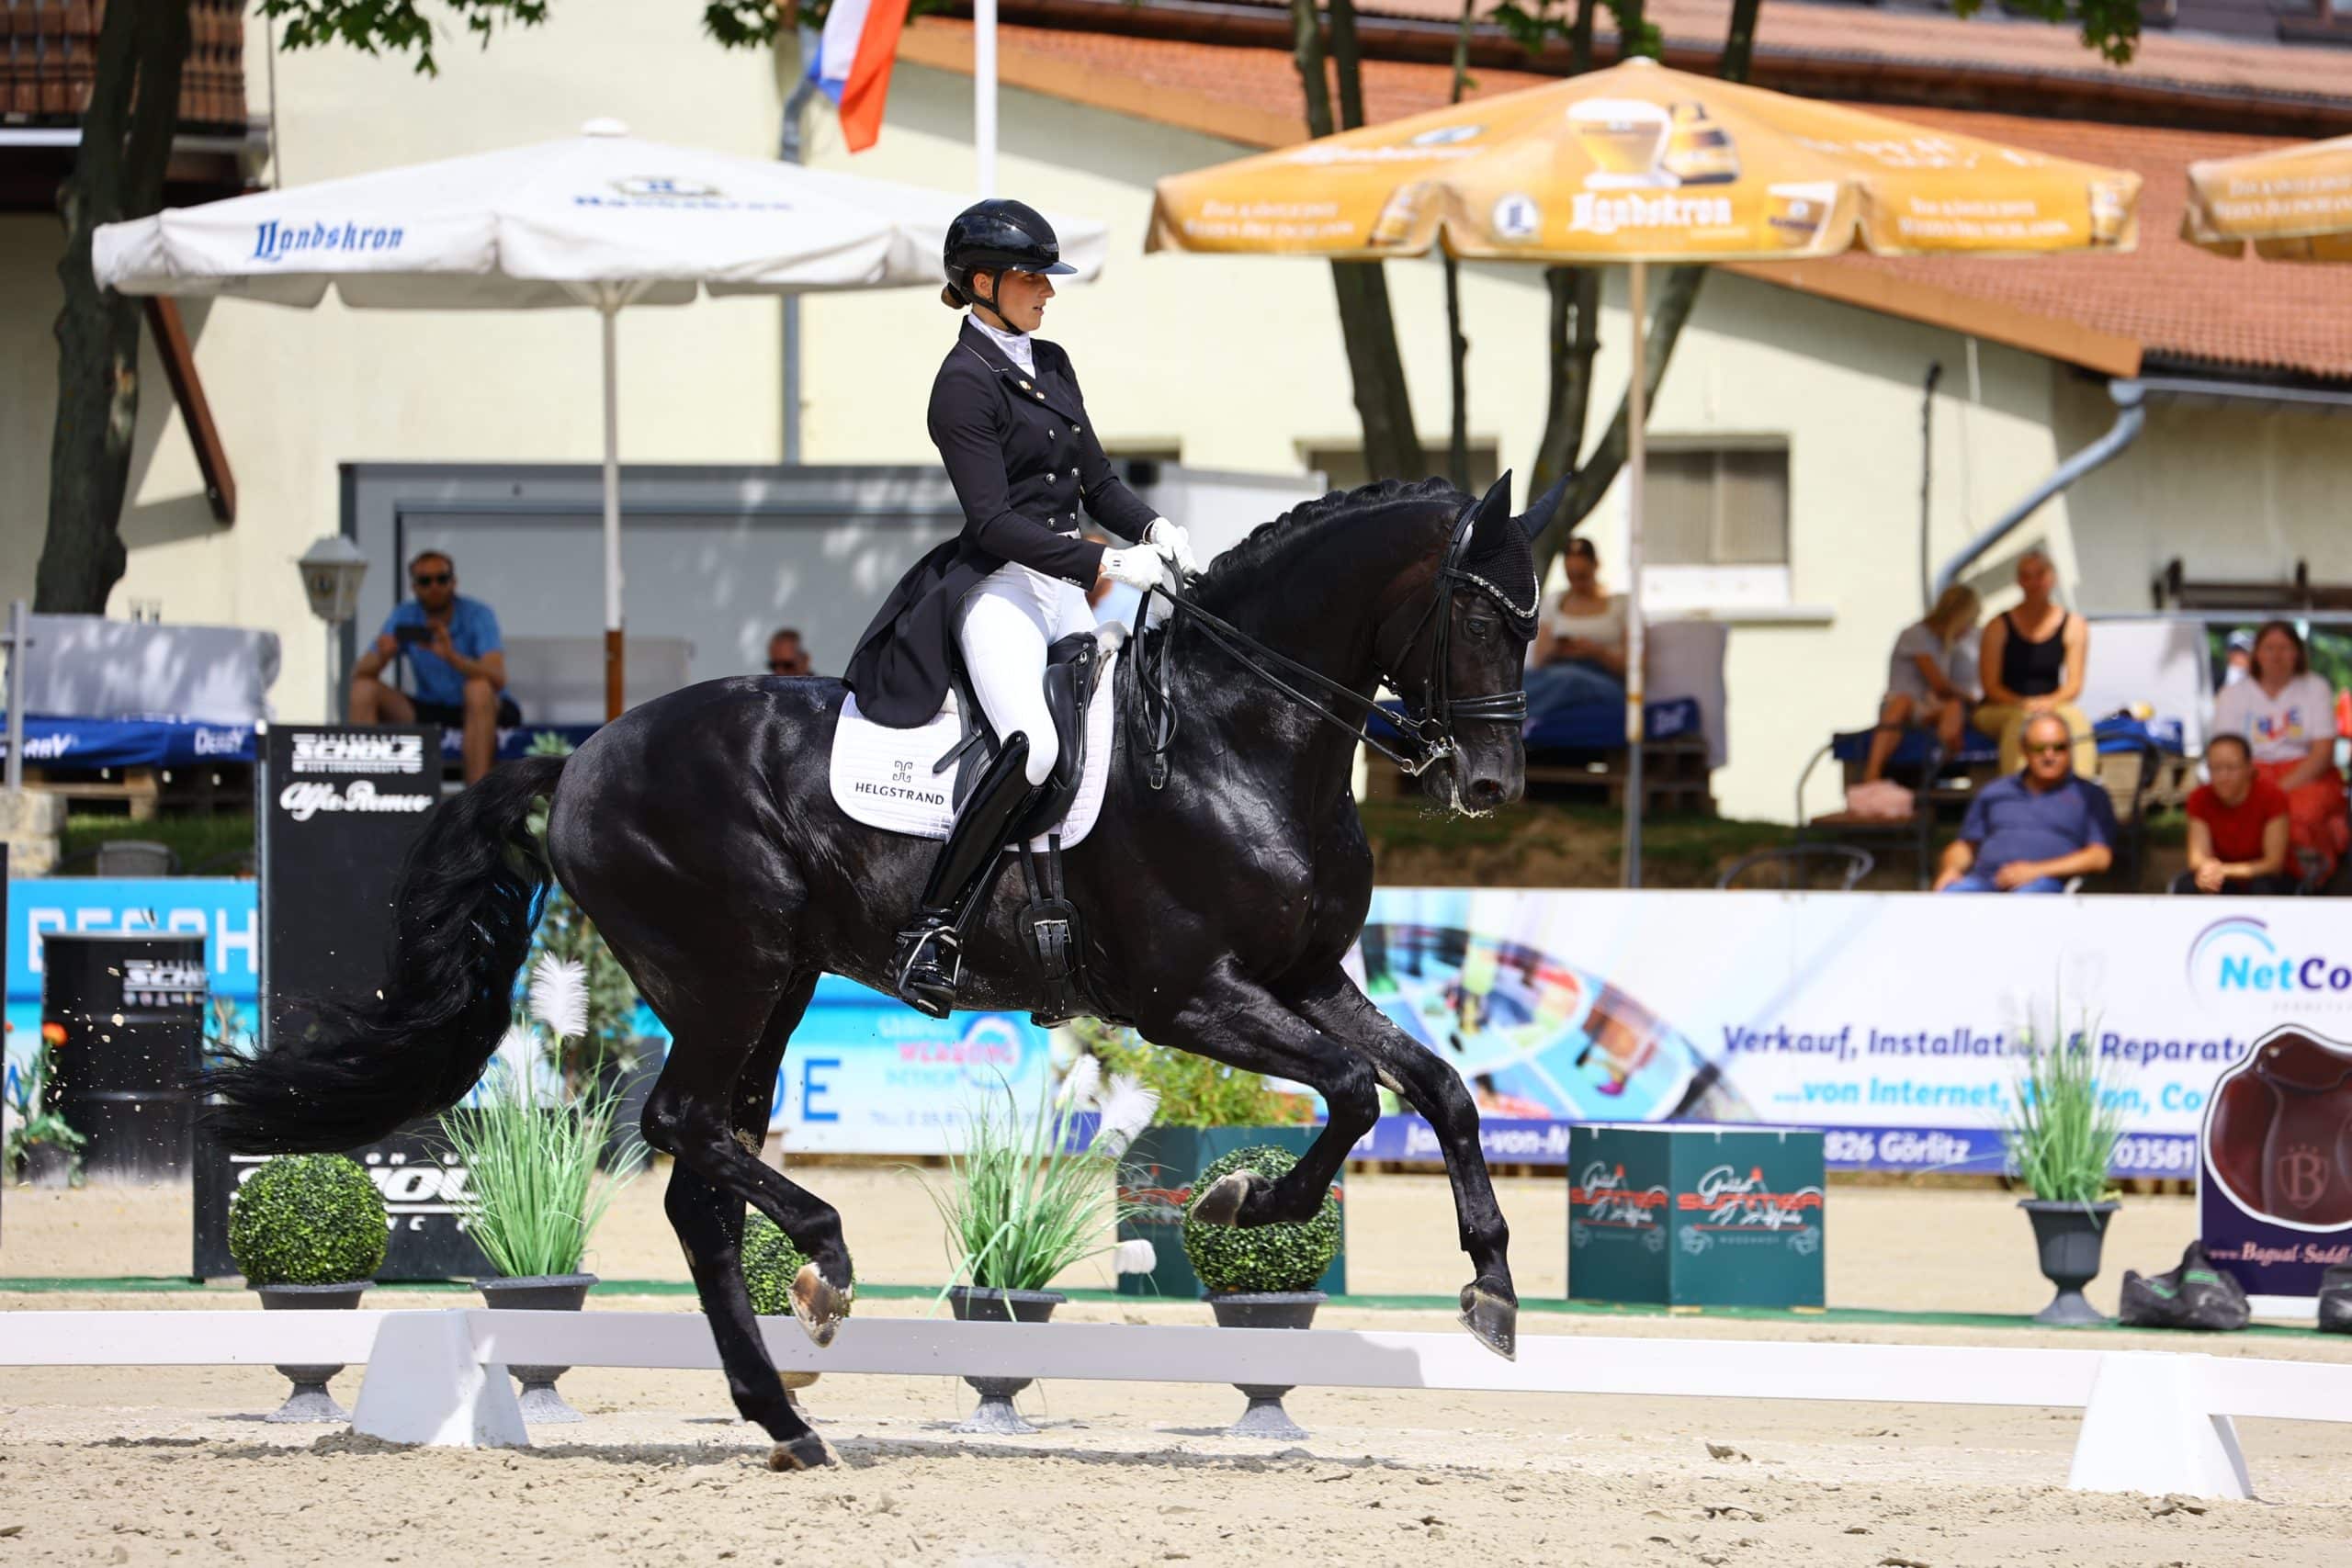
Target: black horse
<point>699,834</point>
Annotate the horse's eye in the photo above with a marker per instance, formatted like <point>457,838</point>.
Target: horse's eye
<point>1481,627</point>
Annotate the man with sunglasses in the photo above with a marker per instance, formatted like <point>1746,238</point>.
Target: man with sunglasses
<point>2029,831</point>
<point>787,654</point>
<point>455,664</point>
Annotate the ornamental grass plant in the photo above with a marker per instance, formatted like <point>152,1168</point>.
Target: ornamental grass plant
<point>2062,1129</point>
<point>1023,1201</point>
<point>532,1194</point>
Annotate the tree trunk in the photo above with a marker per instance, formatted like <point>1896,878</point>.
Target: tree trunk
<point>1392,448</point>
<point>1572,353</point>
<point>1574,340</point>
<point>1676,293</point>
<point>1457,447</point>
<point>118,175</point>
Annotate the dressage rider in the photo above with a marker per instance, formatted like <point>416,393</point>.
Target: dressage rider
<point>1022,452</point>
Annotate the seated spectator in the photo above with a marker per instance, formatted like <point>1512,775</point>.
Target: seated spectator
<point>2288,715</point>
<point>455,663</point>
<point>2032,662</point>
<point>1929,680</point>
<point>2027,832</point>
<point>787,654</point>
<point>1579,652</point>
<point>2237,826</point>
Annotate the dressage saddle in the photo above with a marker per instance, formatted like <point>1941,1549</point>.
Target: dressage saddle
<point>2281,1134</point>
<point>1051,929</point>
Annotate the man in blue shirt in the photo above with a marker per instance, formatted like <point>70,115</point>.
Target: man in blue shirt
<point>455,663</point>
<point>2032,830</point>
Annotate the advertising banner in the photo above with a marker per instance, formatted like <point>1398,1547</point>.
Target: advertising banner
<point>1889,1021</point>
<point>2275,1193</point>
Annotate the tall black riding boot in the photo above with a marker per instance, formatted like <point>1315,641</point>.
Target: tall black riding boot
<point>931,957</point>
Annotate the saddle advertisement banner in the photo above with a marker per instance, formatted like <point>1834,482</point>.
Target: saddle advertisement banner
<point>2274,1190</point>
<point>1887,1020</point>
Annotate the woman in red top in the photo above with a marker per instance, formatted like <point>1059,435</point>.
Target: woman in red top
<point>2237,826</point>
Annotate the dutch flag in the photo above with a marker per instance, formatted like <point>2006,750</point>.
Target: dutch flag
<point>852,63</point>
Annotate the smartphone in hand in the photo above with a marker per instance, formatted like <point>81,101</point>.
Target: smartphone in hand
<point>408,636</point>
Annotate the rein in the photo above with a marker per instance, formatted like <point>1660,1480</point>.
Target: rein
<point>1430,731</point>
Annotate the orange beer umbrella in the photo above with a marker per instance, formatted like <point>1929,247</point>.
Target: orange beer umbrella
<point>2294,204</point>
<point>1639,164</point>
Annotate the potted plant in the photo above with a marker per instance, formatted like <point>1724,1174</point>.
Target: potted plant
<point>41,1147</point>
<point>1262,1277</point>
<point>1206,1111</point>
<point>2061,1135</point>
<point>1026,1200</point>
<point>532,1194</point>
<point>309,1233</point>
<point>770,1264</point>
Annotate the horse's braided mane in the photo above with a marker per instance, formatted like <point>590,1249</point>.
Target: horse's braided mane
<point>1268,542</point>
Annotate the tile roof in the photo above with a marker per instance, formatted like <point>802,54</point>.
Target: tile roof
<point>2176,302</point>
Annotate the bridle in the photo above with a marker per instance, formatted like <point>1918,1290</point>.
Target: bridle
<point>1427,728</point>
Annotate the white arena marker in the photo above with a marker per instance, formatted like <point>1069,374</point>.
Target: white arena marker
<point>2157,1422</point>
<point>2150,1427</point>
<point>426,1384</point>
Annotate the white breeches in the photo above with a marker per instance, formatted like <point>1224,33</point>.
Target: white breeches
<point>1005,627</point>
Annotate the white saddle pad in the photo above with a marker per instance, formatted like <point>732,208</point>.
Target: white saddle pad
<point>882,777</point>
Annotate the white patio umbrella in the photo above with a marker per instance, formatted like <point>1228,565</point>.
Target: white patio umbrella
<point>600,219</point>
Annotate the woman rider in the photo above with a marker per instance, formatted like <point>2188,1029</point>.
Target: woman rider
<point>1022,452</point>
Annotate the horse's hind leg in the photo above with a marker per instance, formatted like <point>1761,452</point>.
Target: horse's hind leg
<point>1489,1303</point>
<point>708,1112</point>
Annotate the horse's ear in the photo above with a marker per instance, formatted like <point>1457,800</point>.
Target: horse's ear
<point>1539,512</point>
<point>1492,510</point>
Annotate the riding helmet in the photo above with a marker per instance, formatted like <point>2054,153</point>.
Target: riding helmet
<point>997,236</point>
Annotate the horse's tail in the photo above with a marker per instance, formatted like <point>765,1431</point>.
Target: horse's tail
<point>468,896</point>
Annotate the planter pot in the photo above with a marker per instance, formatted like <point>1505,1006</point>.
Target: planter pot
<point>1157,1172</point>
<point>996,1415</point>
<point>1265,1309</point>
<point>2069,1237</point>
<point>538,1292</point>
<point>311,1401</point>
<point>49,1164</point>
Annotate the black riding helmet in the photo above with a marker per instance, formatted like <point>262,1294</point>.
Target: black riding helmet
<point>997,236</point>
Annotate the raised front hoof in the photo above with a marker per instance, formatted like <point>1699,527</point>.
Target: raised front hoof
<point>1227,1195</point>
<point>818,1305</point>
<point>807,1451</point>
<point>1492,1321</point>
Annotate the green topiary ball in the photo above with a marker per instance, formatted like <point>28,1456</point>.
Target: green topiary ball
<point>770,1261</point>
<point>1265,1258</point>
<point>307,1220</point>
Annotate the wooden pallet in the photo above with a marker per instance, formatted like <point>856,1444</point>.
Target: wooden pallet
<point>147,793</point>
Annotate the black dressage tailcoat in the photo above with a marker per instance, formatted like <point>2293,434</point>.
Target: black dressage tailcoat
<point>1024,458</point>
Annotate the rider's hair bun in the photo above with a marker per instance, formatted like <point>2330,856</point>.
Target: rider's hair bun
<point>949,298</point>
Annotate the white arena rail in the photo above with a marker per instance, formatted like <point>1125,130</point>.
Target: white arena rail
<point>2153,1421</point>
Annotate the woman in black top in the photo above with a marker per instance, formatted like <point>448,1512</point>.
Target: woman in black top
<point>1020,450</point>
<point>2032,660</point>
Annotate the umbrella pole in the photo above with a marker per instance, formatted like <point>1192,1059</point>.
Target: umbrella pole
<point>984,92</point>
<point>610,309</point>
<point>1636,441</point>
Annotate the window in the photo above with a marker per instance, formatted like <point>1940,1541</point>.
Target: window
<point>1715,527</point>
<point>1343,467</point>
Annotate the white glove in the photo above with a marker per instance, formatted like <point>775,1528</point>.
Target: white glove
<point>1176,541</point>
<point>1137,566</point>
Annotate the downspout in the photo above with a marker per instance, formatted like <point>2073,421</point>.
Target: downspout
<point>1927,474</point>
<point>789,148</point>
<point>2130,416</point>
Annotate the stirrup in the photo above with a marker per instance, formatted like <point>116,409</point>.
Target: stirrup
<point>925,982</point>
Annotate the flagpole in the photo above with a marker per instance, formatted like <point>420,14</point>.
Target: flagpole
<point>984,92</point>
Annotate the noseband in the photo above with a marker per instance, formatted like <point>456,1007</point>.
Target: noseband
<point>1428,728</point>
